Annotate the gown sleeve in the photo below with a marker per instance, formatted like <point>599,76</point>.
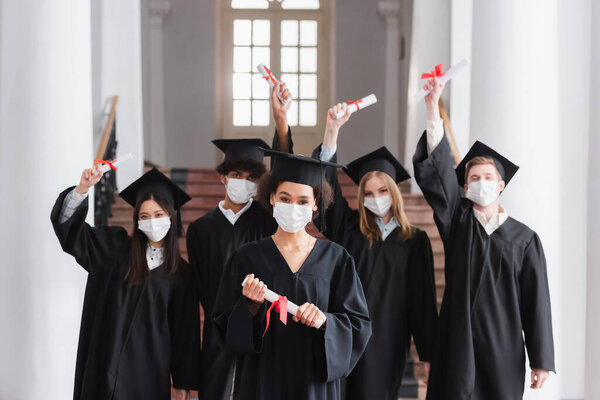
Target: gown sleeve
<point>348,327</point>
<point>436,177</point>
<point>238,330</point>
<point>91,247</point>
<point>184,325</point>
<point>535,307</point>
<point>339,217</point>
<point>422,296</point>
<point>197,266</point>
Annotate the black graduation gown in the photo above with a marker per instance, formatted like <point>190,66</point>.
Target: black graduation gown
<point>132,339</point>
<point>211,240</point>
<point>496,290</point>
<point>397,277</point>
<point>293,361</point>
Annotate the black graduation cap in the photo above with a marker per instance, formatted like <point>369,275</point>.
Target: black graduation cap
<point>506,168</point>
<point>379,160</point>
<point>155,181</point>
<point>242,149</point>
<point>300,169</point>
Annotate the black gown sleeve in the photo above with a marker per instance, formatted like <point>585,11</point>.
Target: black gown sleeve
<point>91,247</point>
<point>348,327</point>
<point>184,325</point>
<point>422,296</point>
<point>436,177</point>
<point>339,217</point>
<point>239,331</point>
<point>535,307</point>
<point>196,259</point>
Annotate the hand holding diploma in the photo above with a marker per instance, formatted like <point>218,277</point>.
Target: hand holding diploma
<point>443,77</point>
<point>89,177</point>
<point>108,165</point>
<point>354,106</point>
<point>257,292</point>
<point>284,98</point>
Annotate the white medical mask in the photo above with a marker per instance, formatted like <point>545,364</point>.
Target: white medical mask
<point>379,205</point>
<point>292,217</point>
<point>240,191</point>
<point>483,192</point>
<point>155,229</point>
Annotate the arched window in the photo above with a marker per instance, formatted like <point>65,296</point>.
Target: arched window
<point>292,39</point>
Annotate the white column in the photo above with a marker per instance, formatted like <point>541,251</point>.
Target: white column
<point>592,388</point>
<point>514,109</point>
<point>45,142</point>
<point>121,74</point>
<point>460,88</point>
<point>156,150</point>
<point>390,11</point>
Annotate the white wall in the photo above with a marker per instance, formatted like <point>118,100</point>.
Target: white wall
<point>45,141</point>
<point>592,350</point>
<point>117,70</point>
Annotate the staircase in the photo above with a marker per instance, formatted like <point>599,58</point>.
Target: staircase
<point>206,190</point>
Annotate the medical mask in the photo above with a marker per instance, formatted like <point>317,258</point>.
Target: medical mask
<point>240,191</point>
<point>155,229</point>
<point>483,192</point>
<point>379,205</point>
<point>292,217</point>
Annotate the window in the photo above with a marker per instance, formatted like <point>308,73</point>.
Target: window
<point>291,38</point>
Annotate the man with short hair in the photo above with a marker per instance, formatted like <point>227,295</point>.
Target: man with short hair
<point>496,299</point>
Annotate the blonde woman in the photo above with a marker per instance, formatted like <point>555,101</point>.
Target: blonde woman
<point>393,260</point>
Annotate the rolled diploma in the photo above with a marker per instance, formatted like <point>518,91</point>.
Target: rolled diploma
<point>105,167</point>
<point>362,103</point>
<point>272,81</point>
<point>292,308</point>
<point>443,79</point>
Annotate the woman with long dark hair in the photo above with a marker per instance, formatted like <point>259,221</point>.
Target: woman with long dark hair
<point>394,261</point>
<point>140,324</point>
<point>295,360</point>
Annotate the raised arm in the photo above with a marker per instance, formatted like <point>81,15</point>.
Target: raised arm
<point>91,247</point>
<point>283,134</point>
<point>434,165</point>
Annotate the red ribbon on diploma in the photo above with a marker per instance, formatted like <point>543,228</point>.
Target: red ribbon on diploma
<point>280,307</point>
<point>270,76</point>
<point>437,72</point>
<point>355,103</point>
<point>110,163</point>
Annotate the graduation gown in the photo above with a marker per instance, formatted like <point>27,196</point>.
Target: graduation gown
<point>211,240</point>
<point>293,361</point>
<point>133,340</point>
<point>496,291</point>
<point>397,277</point>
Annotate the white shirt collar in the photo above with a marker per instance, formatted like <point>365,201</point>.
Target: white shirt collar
<point>231,216</point>
<point>386,229</point>
<point>495,222</point>
<point>154,256</point>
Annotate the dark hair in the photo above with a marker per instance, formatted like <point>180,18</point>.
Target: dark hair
<point>138,266</point>
<point>268,185</point>
<point>255,168</point>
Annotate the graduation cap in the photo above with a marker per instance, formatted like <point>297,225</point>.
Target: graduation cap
<point>156,182</point>
<point>300,169</point>
<point>242,149</point>
<point>379,160</point>
<point>506,168</point>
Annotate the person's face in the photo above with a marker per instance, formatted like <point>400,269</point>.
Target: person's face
<point>486,172</point>
<point>239,175</point>
<point>150,209</point>
<point>375,187</point>
<point>295,193</point>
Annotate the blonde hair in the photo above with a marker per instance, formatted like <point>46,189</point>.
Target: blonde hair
<point>480,160</point>
<point>368,226</point>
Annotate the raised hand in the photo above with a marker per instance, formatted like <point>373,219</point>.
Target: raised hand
<point>89,177</point>
<point>333,125</point>
<point>279,109</point>
<point>432,99</point>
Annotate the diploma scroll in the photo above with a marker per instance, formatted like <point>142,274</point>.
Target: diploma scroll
<point>291,307</point>
<point>354,106</point>
<point>268,76</point>
<point>444,78</point>
<point>106,167</point>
